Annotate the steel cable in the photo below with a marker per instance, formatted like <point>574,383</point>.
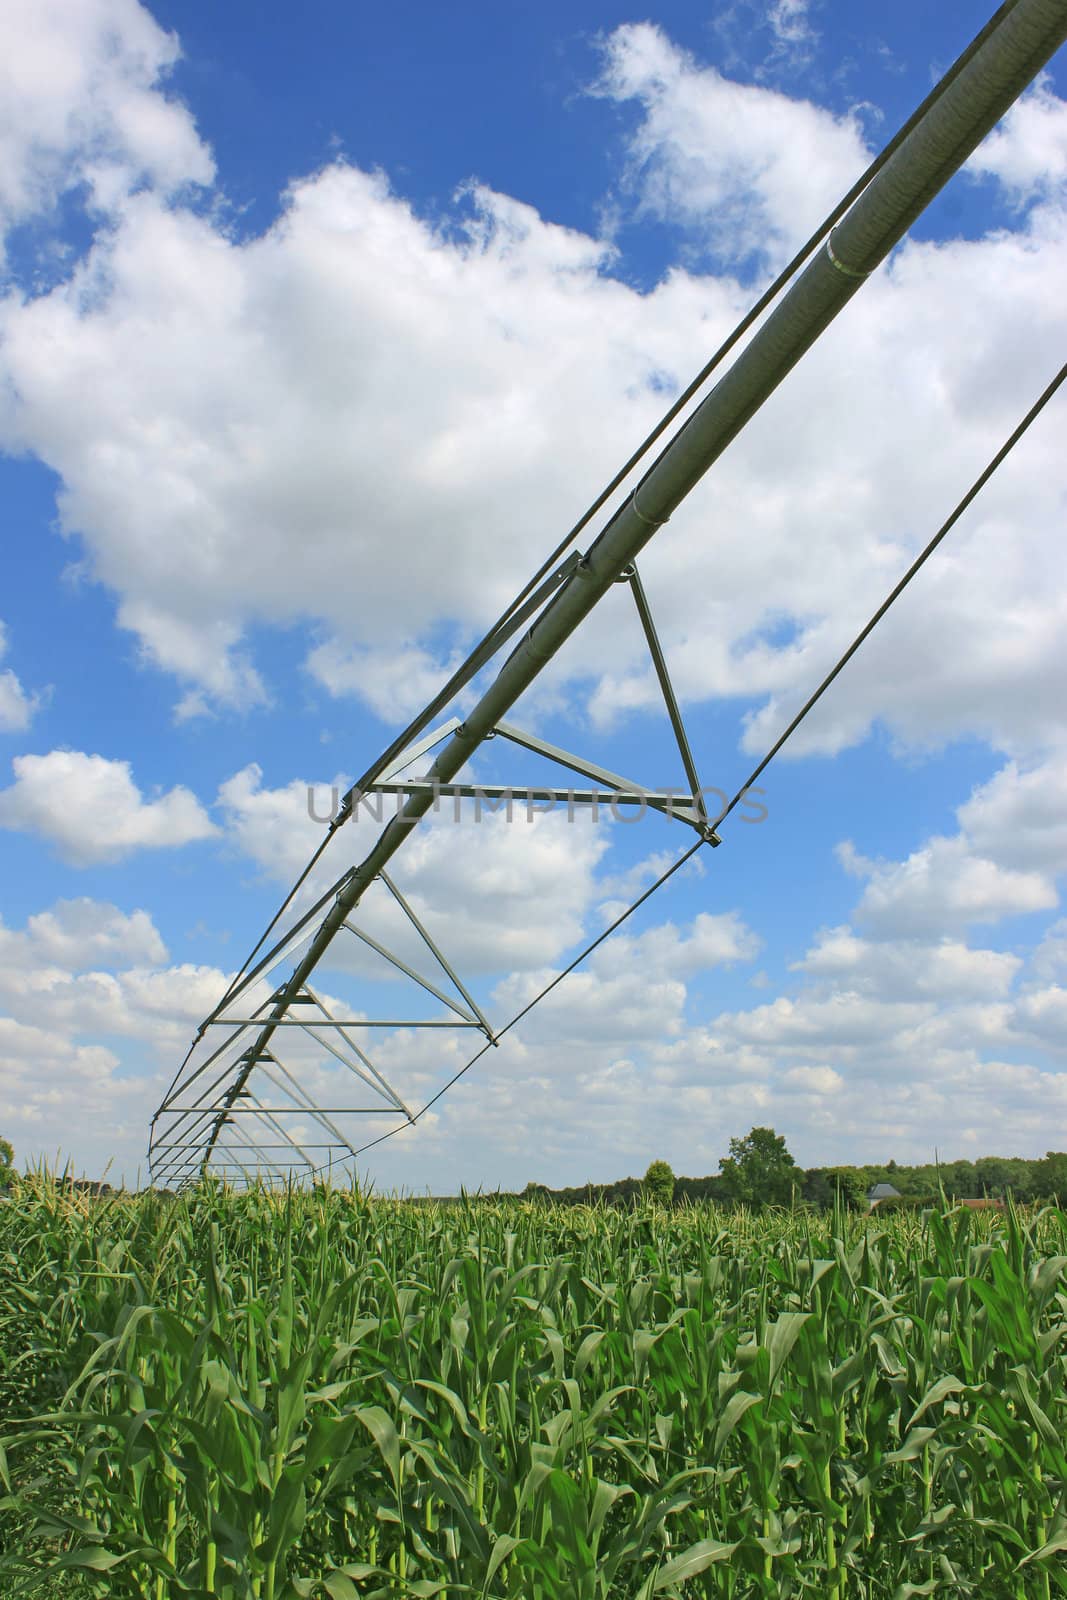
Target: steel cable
<point>894,594</point>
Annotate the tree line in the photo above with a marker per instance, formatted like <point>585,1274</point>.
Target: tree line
<point>760,1171</point>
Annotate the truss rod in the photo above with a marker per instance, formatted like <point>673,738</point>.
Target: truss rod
<point>657,800</point>
<point>307,1023</point>
<point>249,973</point>
<point>255,1020</point>
<point>173,1111</point>
<point>251,1145</point>
<point>200,1115</point>
<point>330,1144</point>
<point>336,1111</point>
<point>189,1053</point>
<point>375,1078</point>
<point>670,700</point>
<point>402,966</point>
<point>272,1122</point>
<point>319,1116</point>
<point>438,955</point>
<point>622,789</point>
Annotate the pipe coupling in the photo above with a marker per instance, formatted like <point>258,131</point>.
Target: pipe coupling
<point>649,522</point>
<point>839,265</point>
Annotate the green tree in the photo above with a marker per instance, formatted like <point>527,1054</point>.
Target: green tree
<point>7,1163</point>
<point>824,1186</point>
<point>959,1180</point>
<point>659,1183</point>
<point>849,1187</point>
<point>1050,1176</point>
<point>995,1175</point>
<point>759,1169</point>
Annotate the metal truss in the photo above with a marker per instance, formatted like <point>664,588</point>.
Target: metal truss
<point>197,1130</point>
<point>291,1071</point>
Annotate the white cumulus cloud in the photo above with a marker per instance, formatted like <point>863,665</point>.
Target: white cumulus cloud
<point>16,706</point>
<point>78,935</point>
<point>284,428</point>
<point>1027,152</point>
<point>750,168</point>
<point>1020,815</point>
<point>81,103</point>
<point>942,887</point>
<point>90,808</point>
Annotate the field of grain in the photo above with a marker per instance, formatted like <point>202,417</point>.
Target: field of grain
<point>325,1394</point>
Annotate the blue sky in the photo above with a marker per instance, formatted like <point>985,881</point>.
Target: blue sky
<point>315,335</point>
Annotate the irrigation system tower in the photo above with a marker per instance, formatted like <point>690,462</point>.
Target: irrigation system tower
<point>252,1080</point>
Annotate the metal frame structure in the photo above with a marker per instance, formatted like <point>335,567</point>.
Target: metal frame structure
<point>231,1104</point>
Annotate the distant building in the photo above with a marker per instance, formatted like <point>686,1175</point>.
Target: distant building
<point>881,1191</point>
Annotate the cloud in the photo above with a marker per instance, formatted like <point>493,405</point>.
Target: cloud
<point>80,973</point>
<point>205,652</point>
<point>277,828</point>
<point>394,682</point>
<point>888,1031</point>
<point>884,1034</point>
<point>1049,959</point>
<point>838,1018</point>
<point>1020,816</point>
<point>946,971</point>
<point>81,934</point>
<point>711,941</point>
<point>860,1064</point>
<point>274,430</point>
<point>91,810</point>
<point>603,1077</point>
<point>41,1070</point>
<point>259,431</point>
<point>976,645</point>
<point>505,896</point>
<point>813,1080</point>
<point>1004,861</point>
<point>790,23</point>
<point>81,91</point>
<point>859,1073</point>
<point>1042,1014</point>
<point>498,897</point>
<point>632,988</point>
<point>158,1007</point>
<point>747,167</point>
<point>16,706</point>
<point>290,474</point>
<point>943,886</point>
<point>1027,151</point>
<point>890,1025</point>
<point>80,88</point>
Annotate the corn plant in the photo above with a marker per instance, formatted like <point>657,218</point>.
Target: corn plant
<point>305,1394</point>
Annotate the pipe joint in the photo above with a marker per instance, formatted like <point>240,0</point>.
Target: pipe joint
<point>649,522</point>
<point>842,266</point>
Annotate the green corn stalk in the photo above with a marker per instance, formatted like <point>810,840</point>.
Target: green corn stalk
<point>326,1393</point>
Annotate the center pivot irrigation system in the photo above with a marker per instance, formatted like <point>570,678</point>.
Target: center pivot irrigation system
<point>234,1103</point>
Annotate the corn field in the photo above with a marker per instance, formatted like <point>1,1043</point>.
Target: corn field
<point>324,1394</point>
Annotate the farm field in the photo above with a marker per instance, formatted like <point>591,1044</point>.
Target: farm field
<point>328,1394</point>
